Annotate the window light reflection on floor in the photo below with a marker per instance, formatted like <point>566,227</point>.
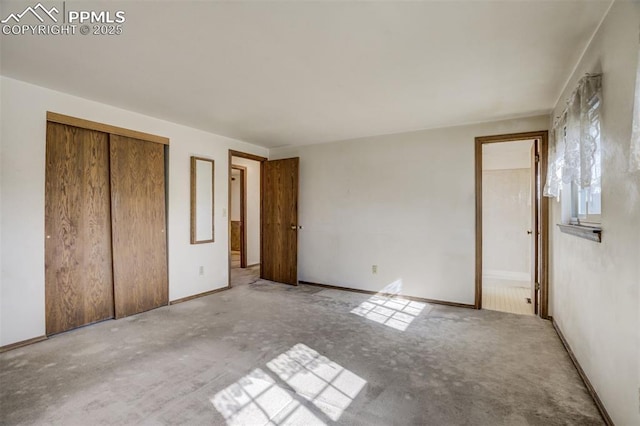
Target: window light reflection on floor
<point>329,386</point>
<point>257,399</point>
<point>387,308</point>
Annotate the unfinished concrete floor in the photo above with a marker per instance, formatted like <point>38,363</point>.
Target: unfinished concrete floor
<point>269,353</point>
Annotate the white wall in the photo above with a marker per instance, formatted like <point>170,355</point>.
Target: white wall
<point>507,155</point>
<point>596,287</point>
<point>23,131</point>
<point>506,217</point>
<point>253,207</point>
<point>404,202</point>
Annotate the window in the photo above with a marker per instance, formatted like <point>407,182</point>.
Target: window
<point>586,202</point>
<point>585,205</point>
<point>575,152</point>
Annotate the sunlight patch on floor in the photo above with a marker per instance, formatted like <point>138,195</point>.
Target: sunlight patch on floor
<point>389,309</point>
<point>256,399</point>
<point>329,386</point>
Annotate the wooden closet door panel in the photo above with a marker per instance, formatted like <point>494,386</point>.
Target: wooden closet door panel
<point>78,274</point>
<point>138,225</point>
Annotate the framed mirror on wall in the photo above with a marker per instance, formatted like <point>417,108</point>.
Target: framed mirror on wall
<point>202,203</point>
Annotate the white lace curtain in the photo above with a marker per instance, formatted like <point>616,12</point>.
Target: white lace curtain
<point>553,184</point>
<point>574,151</point>
<point>634,152</point>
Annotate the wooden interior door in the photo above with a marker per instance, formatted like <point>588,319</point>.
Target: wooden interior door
<point>78,277</point>
<point>138,225</point>
<point>535,225</point>
<point>279,248</point>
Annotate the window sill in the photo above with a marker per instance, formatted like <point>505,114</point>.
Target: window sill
<point>593,233</point>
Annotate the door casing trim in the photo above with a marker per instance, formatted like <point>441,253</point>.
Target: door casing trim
<point>543,218</point>
<point>261,160</point>
<point>243,214</point>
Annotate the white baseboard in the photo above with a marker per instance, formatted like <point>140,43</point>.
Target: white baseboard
<point>506,275</point>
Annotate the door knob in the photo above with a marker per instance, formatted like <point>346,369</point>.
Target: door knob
<point>294,227</point>
<point>529,232</point>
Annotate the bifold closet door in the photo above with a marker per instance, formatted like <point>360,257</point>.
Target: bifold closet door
<point>138,225</point>
<point>78,277</point>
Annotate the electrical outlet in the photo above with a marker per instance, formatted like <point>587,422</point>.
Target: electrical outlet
<point>201,270</point>
<point>374,269</point>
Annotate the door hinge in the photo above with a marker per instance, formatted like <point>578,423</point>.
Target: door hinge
<point>537,286</point>
<point>537,158</point>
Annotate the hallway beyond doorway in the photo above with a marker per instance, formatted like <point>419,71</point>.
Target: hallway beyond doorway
<point>507,296</point>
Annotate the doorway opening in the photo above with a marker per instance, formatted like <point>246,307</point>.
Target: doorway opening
<point>511,224</point>
<point>245,211</point>
<point>238,215</point>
